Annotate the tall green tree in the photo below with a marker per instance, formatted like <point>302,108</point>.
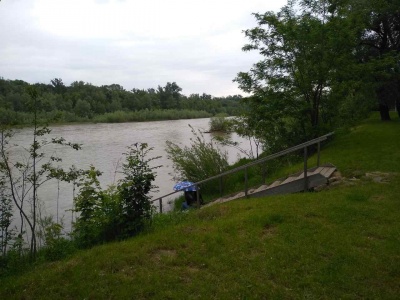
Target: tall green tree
<point>379,49</point>
<point>170,95</point>
<point>304,49</point>
<point>83,109</point>
<point>58,85</point>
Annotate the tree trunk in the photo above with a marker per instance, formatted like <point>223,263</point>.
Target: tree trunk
<point>384,111</point>
<point>383,94</point>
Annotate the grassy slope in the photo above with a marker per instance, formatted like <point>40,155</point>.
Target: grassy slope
<point>338,243</point>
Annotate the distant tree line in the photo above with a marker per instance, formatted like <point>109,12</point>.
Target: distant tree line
<point>82,101</point>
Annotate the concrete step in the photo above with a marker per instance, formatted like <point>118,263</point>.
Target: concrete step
<point>289,179</point>
<point>316,171</point>
<point>239,195</point>
<point>274,184</point>
<point>301,176</point>
<point>324,171</point>
<point>261,188</point>
<point>327,172</point>
<point>292,184</point>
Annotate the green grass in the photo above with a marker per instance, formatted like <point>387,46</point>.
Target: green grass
<point>370,146</point>
<point>343,242</point>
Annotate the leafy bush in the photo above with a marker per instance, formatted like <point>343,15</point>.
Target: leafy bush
<point>199,161</point>
<point>134,189</point>
<point>220,123</point>
<point>120,211</point>
<point>91,204</point>
<point>57,245</point>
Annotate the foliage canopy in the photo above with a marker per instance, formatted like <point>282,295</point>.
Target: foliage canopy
<point>324,64</point>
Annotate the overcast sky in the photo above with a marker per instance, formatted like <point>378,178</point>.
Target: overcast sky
<point>138,44</point>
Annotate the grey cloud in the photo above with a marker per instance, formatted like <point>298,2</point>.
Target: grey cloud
<point>134,62</point>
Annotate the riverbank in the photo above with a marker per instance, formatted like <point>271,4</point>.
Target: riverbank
<point>341,242</point>
<point>23,119</point>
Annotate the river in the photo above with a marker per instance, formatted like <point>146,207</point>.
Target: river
<point>103,146</point>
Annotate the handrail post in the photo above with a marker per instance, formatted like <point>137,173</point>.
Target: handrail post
<point>197,195</point>
<point>319,149</point>
<point>245,182</point>
<point>160,205</point>
<point>264,173</point>
<point>220,186</point>
<point>305,170</point>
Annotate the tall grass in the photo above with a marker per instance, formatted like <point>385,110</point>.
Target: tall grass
<point>220,123</point>
<point>199,161</point>
<point>53,117</point>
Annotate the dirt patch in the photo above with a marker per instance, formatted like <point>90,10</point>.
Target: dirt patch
<point>378,198</point>
<point>161,254</point>
<point>73,262</point>
<point>337,179</point>
<point>269,231</point>
<point>192,270</point>
<point>311,215</point>
<point>379,177</point>
<point>373,236</point>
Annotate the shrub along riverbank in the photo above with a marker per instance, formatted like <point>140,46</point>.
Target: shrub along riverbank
<point>341,242</point>
<point>57,117</point>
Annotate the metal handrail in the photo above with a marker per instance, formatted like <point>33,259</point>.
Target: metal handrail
<point>256,162</point>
